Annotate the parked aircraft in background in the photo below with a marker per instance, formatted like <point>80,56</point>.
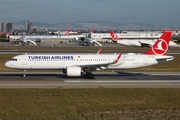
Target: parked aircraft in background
<point>87,41</point>
<point>23,40</point>
<point>137,42</point>
<point>74,65</point>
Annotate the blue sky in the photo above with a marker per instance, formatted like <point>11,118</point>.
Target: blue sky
<point>155,12</point>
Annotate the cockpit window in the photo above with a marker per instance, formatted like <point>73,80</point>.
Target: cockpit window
<point>13,59</point>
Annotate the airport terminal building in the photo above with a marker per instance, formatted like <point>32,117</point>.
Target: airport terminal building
<point>129,35</point>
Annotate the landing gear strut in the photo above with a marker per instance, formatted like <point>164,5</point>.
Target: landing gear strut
<point>89,75</point>
<point>24,75</point>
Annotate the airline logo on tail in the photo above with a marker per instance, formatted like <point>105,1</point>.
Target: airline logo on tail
<point>114,36</point>
<point>161,45</point>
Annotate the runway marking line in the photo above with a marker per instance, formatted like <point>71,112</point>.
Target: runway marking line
<point>83,84</point>
<point>120,81</point>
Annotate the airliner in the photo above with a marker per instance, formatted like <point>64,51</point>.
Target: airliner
<point>136,42</point>
<point>23,40</point>
<point>88,40</point>
<point>75,65</point>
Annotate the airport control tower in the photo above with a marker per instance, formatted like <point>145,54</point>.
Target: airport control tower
<point>28,25</point>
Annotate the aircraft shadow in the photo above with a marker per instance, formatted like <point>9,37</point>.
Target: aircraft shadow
<point>131,74</point>
<point>61,75</point>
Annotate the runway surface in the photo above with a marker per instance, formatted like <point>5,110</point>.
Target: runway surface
<point>101,80</point>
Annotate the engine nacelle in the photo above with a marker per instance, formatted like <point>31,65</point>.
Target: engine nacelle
<point>73,71</point>
<point>76,38</point>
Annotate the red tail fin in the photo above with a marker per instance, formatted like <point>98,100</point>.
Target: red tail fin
<point>7,34</point>
<point>114,36</point>
<point>161,45</point>
<point>92,31</point>
<point>22,32</point>
<point>67,33</point>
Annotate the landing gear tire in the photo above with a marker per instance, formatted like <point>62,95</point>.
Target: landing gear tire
<point>89,75</point>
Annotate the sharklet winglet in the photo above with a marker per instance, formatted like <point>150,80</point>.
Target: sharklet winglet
<point>117,59</point>
<point>99,51</point>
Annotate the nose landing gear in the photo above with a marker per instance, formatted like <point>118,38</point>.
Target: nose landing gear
<point>24,75</point>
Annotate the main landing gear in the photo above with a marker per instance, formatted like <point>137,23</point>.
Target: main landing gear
<point>89,75</point>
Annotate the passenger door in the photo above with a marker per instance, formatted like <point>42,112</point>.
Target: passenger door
<point>24,60</point>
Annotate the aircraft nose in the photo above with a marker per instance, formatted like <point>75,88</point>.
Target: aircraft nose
<point>8,64</point>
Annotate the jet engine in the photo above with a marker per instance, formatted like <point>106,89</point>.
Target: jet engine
<point>73,71</point>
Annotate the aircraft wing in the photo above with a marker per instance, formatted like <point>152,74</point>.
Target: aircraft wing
<point>164,58</point>
<point>145,44</point>
<point>92,67</point>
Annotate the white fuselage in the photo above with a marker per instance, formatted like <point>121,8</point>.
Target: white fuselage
<point>96,62</point>
<point>138,42</point>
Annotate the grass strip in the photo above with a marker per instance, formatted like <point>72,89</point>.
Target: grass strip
<point>100,103</point>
